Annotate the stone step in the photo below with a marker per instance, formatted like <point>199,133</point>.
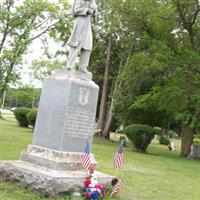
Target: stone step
<point>48,181</point>
<point>57,160</point>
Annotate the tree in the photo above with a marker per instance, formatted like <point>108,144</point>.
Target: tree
<point>162,78</point>
<point>44,68</point>
<point>104,95</point>
<point>24,96</point>
<point>188,19</point>
<point>20,25</point>
<point>113,42</point>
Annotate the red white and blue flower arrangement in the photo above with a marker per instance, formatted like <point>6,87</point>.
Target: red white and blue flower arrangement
<point>93,190</point>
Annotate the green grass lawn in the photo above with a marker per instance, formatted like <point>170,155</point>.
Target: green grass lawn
<point>157,175</point>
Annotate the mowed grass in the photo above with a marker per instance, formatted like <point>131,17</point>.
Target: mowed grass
<point>157,175</point>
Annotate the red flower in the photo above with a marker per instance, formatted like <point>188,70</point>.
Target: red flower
<point>101,190</point>
<point>87,195</point>
<point>100,187</point>
<point>87,183</point>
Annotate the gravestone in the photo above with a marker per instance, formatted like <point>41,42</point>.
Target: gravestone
<point>123,139</point>
<point>65,121</point>
<point>194,151</point>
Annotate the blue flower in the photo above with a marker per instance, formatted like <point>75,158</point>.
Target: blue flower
<point>95,195</point>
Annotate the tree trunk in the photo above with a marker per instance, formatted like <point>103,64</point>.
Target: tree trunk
<point>109,118</point>
<point>186,142</point>
<point>3,100</point>
<point>191,37</point>
<point>164,131</point>
<point>1,94</point>
<point>1,82</point>
<point>106,130</point>
<point>103,104</point>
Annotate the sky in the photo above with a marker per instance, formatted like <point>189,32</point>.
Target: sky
<point>34,53</point>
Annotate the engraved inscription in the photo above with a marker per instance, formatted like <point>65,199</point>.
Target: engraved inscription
<point>79,122</point>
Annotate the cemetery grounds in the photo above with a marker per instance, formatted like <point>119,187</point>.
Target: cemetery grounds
<point>157,175</point>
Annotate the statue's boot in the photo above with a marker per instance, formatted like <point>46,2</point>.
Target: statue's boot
<point>84,70</point>
<point>84,61</point>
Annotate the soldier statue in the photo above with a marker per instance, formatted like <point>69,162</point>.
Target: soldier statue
<point>80,41</point>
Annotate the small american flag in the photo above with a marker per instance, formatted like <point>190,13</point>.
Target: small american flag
<point>118,158</point>
<point>117,188</point>
<point>86,158</point>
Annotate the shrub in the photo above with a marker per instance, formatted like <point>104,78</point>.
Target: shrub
<point>163,139</point>
<point>196,140</point>
<point>20,115</point>
<point>31,117</point>
<point>140,135</point>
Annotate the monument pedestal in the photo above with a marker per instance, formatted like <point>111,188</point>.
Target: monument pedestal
<point>65,122</point>
<point>67,110</point>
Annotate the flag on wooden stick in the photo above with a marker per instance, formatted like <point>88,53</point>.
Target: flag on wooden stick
<point>86,159</point>
<point>118,158</point>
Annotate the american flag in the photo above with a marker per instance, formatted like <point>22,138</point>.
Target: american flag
<point>118,158</point>
<point>117,188</point>
<point>86,158</point>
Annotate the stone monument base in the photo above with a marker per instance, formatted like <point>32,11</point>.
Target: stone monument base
<point>50,182</point>
<point>53,159</point>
